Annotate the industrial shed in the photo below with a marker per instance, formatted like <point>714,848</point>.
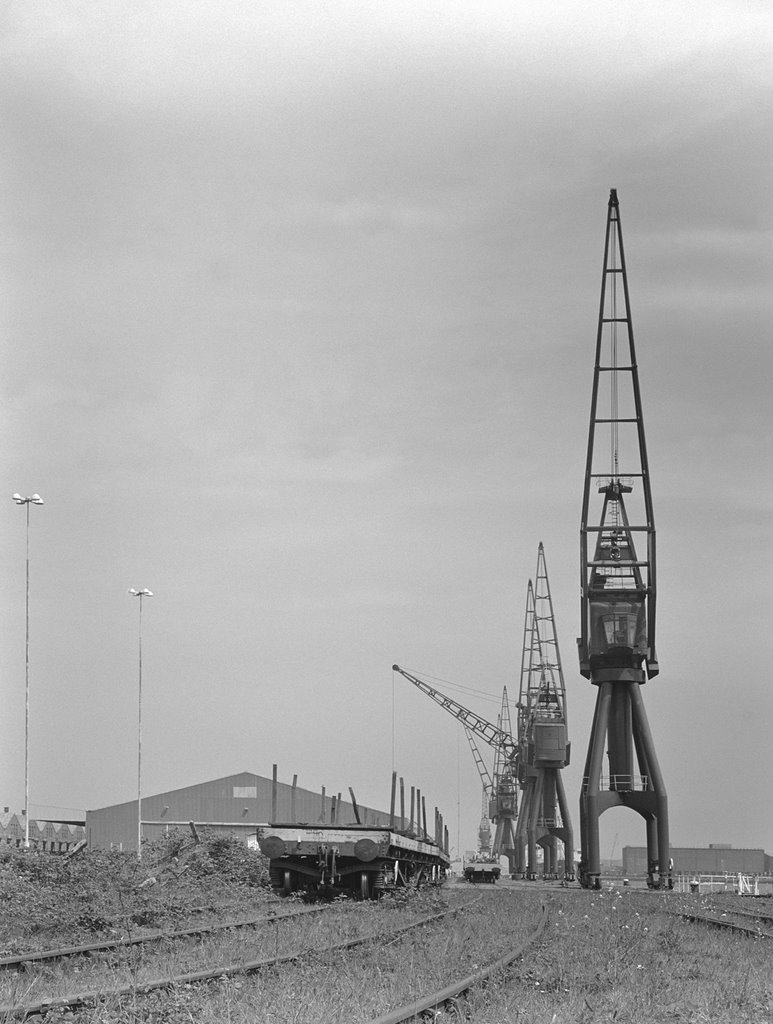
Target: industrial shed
<point>235,804</point>
<point>49,836</point>
<point>716,859</point>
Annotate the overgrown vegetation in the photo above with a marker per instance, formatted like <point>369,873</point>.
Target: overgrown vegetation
<point>628,957</point>
<point>620,956</point>
<point>45,900</point>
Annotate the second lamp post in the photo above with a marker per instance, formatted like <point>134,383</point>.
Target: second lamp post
<point>140,594</point>
<point>34,499</point>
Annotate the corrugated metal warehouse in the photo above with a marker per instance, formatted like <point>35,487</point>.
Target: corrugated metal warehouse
<point>716,859</point>
<point>234,804</point>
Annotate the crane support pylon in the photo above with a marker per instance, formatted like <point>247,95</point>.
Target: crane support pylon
<point>617,645</point>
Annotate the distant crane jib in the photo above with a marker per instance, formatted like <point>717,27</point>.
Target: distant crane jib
<point>496,737</point>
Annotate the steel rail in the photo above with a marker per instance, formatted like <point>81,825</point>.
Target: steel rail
<point>717,922</point>
<point>137,940</point>
<point>431,1002</point>
<point>744,913</point>
<point>210,974</point>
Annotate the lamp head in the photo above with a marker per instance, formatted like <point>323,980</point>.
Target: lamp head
<point>34,499</point>
<point>141,593</point>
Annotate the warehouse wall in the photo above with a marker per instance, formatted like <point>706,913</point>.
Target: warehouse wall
<point>237,803</point>
<point>700,860</point>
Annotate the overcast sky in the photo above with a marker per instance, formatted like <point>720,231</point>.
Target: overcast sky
<point>298,323</point>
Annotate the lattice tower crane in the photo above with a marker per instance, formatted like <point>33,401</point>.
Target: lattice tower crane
<point>484,829</point>
<point>487,785</point>
<point>503,806</point>
<point>505,781</point>
<point>542,737</point>
<point>617,645</point>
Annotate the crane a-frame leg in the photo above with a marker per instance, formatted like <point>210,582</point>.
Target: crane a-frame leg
<point>565,832</point>
<point>538,825</point>
<point>505,843</point>
<point>620,726</point>
<point>521,830</point>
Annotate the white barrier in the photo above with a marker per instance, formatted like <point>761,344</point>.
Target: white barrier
<point>740,884</point>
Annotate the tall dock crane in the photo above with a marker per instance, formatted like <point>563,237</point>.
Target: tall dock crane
<point>543,739</point>
<point>504,803</point>
<point>617,645</point>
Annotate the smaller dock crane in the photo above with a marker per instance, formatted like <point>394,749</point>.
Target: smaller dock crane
<point>503,805</point>
<point>542,738</point>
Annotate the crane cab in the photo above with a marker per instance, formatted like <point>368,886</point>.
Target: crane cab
<point>618,627</point>
<point>617,638</point>
<point>506,798</point>
<point>550,748</point>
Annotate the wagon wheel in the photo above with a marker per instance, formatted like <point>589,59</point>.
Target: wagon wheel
<point>275,875</point>
<point>364,886</point>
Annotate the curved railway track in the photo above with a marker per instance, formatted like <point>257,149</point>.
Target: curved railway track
<point>107,989</point>
<point>24,960</point>
<point>449,995</point>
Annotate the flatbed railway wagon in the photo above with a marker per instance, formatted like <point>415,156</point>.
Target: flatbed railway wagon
<point>482,871</point>
<point>361,859</point>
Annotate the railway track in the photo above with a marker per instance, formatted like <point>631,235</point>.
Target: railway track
<point>449,995</point>
<point>25,960</point>
<point>519,951</point>
<point>733,920</point>
<point>112,979</point>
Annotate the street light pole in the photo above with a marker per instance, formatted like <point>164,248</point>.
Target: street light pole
<point>34,499</point>
<point>140,594</point>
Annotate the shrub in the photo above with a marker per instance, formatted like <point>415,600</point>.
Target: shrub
<point>100,891</point>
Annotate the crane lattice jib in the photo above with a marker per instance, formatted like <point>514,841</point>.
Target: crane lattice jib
<point>496,737</point>
<point>616,465</point>
<point>485,777</point>
<point>542,680</point>
<point>527,660</point>
<point>551,675</point>
<point>503,760</point>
